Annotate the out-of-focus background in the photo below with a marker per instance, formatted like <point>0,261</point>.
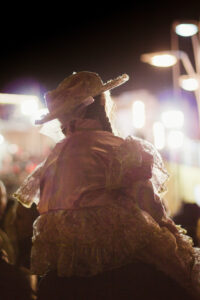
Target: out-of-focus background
<point>158,46</point>
<point>156,43</point>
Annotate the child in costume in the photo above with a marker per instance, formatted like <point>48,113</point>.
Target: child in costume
<point>99,196</point>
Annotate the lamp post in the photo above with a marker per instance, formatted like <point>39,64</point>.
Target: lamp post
<point>172,58</point>
<point>191,81</point>
<point>184,29</point>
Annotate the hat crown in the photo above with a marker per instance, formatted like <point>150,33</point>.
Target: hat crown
<point>75,90</point>
<point>77,86</point>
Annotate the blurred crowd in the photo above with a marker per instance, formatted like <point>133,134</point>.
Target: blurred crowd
<point>16,222</point>
<point>15,167</point>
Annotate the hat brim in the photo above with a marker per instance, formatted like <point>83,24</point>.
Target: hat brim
<point>105,87</point>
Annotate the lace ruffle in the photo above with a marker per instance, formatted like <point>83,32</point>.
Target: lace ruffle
<point>29,191</point>
<point>88,241</point>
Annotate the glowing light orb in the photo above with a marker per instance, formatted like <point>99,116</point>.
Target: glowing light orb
<point>1,139</point>
<point>186,29</point>
<point>138,114</point>
<point>173,119</point>
<point>175,139</point>
<point>159,135</point>
<point>29,107</point>
<point>163,60</point>
<point>189,83</point>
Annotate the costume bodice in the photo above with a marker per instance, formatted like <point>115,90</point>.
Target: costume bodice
<point>76,171</point>
<point>86,167</point>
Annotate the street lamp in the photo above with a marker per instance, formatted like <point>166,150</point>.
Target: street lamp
<point>190,29</point>
<point>172,58</point>
<point>168,58</point>
<point>191,80</point>
<point>189,83</point>
<point>160,59</point>
<point>186,28</point>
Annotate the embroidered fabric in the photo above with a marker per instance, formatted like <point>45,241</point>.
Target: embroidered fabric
<point>88,241</point>
<point>29,191</point>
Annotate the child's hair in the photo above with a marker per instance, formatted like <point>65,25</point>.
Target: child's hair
<point>101,109</point>
<point>97,111</point>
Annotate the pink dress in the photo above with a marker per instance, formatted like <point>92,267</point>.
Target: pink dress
<point>99,199</point>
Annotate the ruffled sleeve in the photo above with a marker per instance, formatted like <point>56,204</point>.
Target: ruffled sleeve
<point>136,159</point>
<point>29,191</point>
<point>137,169</point>
<point>159,172</point>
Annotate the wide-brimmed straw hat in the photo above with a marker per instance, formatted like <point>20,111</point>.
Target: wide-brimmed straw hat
<point>74,91</point>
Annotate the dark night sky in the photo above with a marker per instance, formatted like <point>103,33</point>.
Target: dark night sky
<point>40,47</point>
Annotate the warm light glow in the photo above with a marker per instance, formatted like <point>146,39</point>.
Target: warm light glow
<point>38,114</point>
<point>197,194</point>
<point>16,98</point>
<point>123,122</point>
<point>163,60</point>
<point>189,83</point>
<point>159,135</point>
<point>13,148</point>
<point>186,29</point>
<point>175,139</point>
<point>29,107</point>
<point>1,139</point>
<point>173,119</point>
<point>138,114</point>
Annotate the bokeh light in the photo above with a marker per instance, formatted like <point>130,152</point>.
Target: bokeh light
<point>1,139</point>
<point>173,119</point>
<point>159,135</point>
<point>175,139</point>
<point>138,114</point>
<point>186,29</point>
<point>163,60</point>
<point>29,107</point>
<point>189,83</point>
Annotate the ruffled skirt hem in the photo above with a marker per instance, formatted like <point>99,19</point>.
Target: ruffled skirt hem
<point>88,241</point>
